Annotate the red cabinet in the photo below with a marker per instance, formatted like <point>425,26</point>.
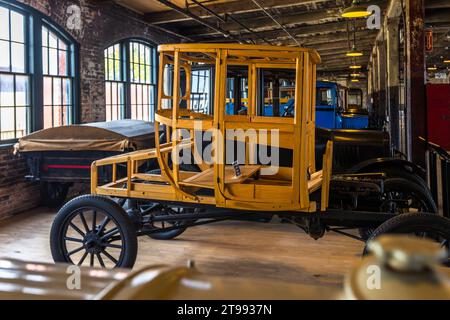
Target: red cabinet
<point>438,102</point>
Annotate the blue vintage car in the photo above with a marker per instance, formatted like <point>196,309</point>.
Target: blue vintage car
<point>339,108</point>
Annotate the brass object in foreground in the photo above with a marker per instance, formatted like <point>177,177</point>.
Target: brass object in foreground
<point>407,269</point>
<point>400,268</point>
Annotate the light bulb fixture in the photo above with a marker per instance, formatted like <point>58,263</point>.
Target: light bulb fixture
<point>355,80</point>
<point>447,61</point>
<point>434,68</point>
<point>354,67</point>
<point>356,10</point>
<point>355,75</point>
<point>354,52</point>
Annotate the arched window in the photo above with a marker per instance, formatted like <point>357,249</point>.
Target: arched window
<point>34,54</point>
<point>130,81</point>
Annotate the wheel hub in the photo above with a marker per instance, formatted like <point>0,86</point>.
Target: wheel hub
<point>93,243</point>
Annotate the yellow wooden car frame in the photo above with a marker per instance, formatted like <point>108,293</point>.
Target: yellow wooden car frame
<point>289,190</point>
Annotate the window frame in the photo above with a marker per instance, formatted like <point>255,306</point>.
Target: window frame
<point>127,81</point>
<point>14,73</point>
<point>34,21</point>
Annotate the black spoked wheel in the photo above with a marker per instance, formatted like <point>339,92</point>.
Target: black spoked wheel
<point>401,196</point>
<point>158,210</point>
<point>428,226</point>
<point>53,194</point>
<point>93,231</point>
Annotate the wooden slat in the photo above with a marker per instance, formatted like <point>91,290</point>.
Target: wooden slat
<point>205,179</point>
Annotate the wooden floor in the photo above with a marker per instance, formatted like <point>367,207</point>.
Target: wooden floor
<point>245,249</point>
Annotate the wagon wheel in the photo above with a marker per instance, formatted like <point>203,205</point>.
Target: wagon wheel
<point>93,231</point>
<point>401,196</point>
<point>428,226</point>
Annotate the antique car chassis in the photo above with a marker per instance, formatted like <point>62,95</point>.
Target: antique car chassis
<point>223,188</point>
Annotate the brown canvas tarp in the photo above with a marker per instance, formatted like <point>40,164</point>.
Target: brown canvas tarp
<point>101,136</point>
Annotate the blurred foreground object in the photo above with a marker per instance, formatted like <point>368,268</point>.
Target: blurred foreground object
<point>400,268</point>
<point>27,280</point>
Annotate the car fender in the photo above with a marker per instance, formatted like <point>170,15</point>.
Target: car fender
<point>381,163</point>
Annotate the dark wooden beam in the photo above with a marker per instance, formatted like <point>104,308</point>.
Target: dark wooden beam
<point>438,15</point>
<point>241,6</point>
<point>437,4</point>
<point>262,23</point>
<point>416,107</point>
<point>300,32</point>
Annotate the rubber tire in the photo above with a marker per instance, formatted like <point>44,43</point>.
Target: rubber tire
<point>46,192</point>
<point>403,184</point>
<point>168,235</point>
<point>401,173</point>
<point>404,223</point>
<point>102,203</point>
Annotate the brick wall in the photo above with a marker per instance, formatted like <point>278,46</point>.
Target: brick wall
<point>102,24</point>
<point>16,195</point>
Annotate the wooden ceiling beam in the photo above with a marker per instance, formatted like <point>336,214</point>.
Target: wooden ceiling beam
<point>335,45</point>
<point>241,6</point>
<point>262,23</point>
<point>441,15</point>
<point>437,4</point>
<point>302,31</point>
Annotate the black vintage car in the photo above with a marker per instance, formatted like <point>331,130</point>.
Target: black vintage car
<point>58,157</point>
<point>367,151</point>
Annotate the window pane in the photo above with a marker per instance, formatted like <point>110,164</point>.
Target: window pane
<point>148,74</point>
<point>117,76</point>
<point>44,37</point>
<point>133,73</point>
<point>121,106</point>
<point>114,93</point>
<point>45,60</point>
<point>4,56</point>
<point>57,116</point>
<point>4,23</point>
<point>48,117</point>
<point>142,54</point>
<point>117,52</point>
<point>62,45</point>
<point>52,40</point>
<point>18,57</point>
<point>17,27</point>
<point>21,122</point>
<point>48,91</point>
<point>142,74</point>
<point>7,123</point>
<point>108,93</point>
<point>67,92</point>
<point>106,69</point>
<point>57,91</point>
<point>65,115</point>
<point>22,91</point>
<point>111,52</point>
<point>53,61</point>
<point>6,90</point>
<point>62,63</point>
<point>139,94</point>
<point>133,94</point>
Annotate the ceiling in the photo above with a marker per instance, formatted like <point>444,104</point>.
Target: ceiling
<point>308,23</point>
